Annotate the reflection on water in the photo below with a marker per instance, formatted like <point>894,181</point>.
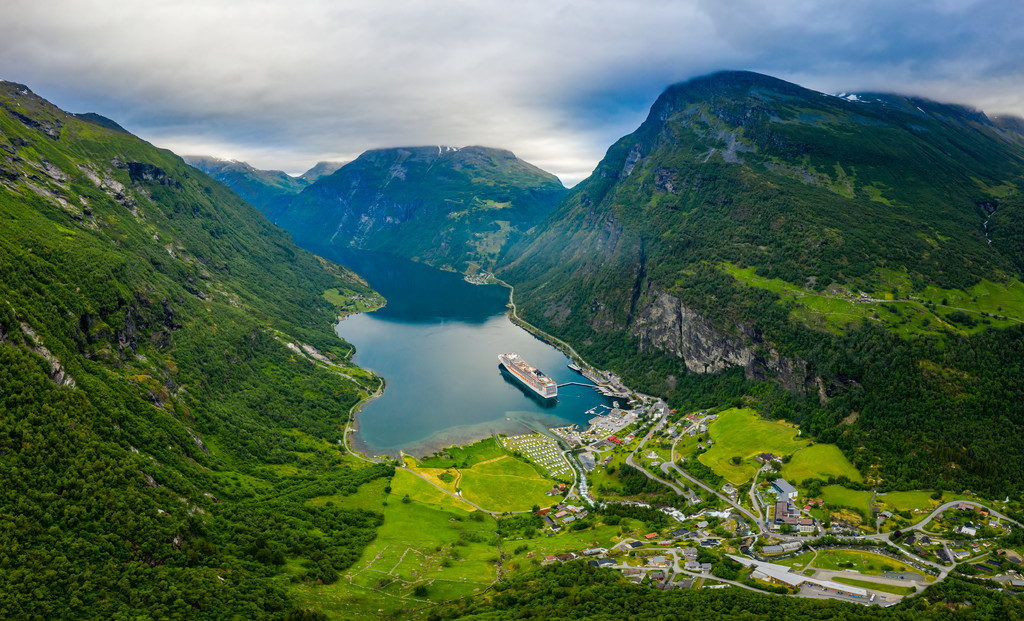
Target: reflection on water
<point>436,345</point>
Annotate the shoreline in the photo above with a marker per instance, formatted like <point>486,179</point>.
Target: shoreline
<point>511,312</point>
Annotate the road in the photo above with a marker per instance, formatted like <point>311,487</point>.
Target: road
<point>665,468</point>
<point>352,417</point>
<point>754,519</point>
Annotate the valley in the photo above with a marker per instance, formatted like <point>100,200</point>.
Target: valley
<point>807,312</point>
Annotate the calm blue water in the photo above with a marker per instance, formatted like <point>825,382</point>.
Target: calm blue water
<point>436,345</point>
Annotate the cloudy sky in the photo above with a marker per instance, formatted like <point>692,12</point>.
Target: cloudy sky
<point>283,84</point>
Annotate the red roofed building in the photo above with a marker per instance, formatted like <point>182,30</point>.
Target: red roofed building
<point>614,440</point>
<point>650,535</point>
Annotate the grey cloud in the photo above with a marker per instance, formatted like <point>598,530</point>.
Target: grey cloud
<point>283,84</point>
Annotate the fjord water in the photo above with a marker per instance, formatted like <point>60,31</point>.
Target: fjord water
<point>436,345</point>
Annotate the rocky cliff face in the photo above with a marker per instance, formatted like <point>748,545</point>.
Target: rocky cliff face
<point>665,324</point>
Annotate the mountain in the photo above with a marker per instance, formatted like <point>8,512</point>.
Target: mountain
<point>455,208</point>
<point>321,169</point>
<point>171,389</point>
<point>854,260</point>
<point>258,187</point>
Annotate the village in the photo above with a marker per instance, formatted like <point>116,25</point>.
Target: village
<point>762,531</point>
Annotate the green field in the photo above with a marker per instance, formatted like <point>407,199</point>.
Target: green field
<point>505,484</point>
<point>370,496</point>
<point>987,303</point>
<point>464,456</point>
<point>742,433</point>
<point>424,492</point>
<point>908,501</point>
<point>875,586</point>
<point>839,496</point>
<point>450,551</point>
<point>599,477</point>
<point>867,563</point>
<point>819,461</point>
<point>797,562</point>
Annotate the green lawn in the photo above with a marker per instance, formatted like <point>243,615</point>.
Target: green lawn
<point>742,433</point>
<point>819,461</point>
<point>837,495</point>
<point>867,563</point>
<point>875,586</point>
<point>450,551</point>
<point>798,562</point>
<point>506,484</point>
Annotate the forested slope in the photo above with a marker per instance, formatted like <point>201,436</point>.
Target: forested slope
<point>171,390</point>
<point>861,254</point>
<point>453,208</point>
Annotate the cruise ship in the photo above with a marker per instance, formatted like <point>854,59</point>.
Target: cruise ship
<point>529,376</point>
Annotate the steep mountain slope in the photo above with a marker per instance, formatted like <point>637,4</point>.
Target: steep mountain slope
<point>450,207</point>
<point>753,224</point>
<point>169,382</point>
<point>258,187</point>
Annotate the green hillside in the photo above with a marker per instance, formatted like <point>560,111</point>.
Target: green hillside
<point>171,390</point>
<point>454,208</point>
<point>865,256</point>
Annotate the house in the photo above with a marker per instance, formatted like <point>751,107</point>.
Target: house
<point>658,561</point>
<point>650,536</point>
<point>970,531</point>
<point>709,543</point>
<point>1017,583</point>
<point>679,533</point>
<point>783,490</point>
<point>728,489</point>
<point>785,509</point>
<point>772,550</point>
<point>885,515</point>
<point>633,545</point>
<point>561,514</point>
<point>925,540</point>
<point>702,524</point>
<point>804,525</point>
<point>594,551</point>
<point>692,566</point>
<point>685,584</point>
<point>910,540</point>
<point>705,567</point>
<point>605,562</point>
<point>568,556</point>
<point>689,554</point>
<point>767,457</point>
<point>943,556</point>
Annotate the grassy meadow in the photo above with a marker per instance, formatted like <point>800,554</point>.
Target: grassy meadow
<point>839,496</point>
<point>742,433</point>
<point>819,461</point>
<point>449,551</point>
